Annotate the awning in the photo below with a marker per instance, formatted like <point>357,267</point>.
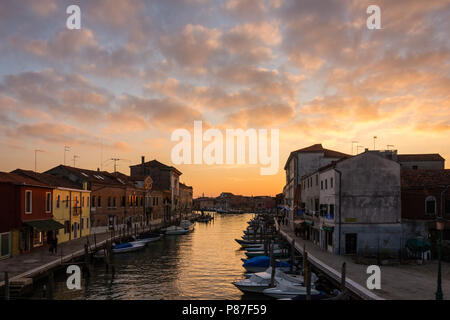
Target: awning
<point>309,222</point>
<point>326,228</point>
<point>44,225</point>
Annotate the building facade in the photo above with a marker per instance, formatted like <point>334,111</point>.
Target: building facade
<point>26,218</point>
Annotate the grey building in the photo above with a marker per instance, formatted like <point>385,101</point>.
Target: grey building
<point>300,163</point>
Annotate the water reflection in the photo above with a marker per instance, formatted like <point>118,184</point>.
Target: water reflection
<point>199,265</point>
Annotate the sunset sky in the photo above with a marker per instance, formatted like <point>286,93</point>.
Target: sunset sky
<point>137,70</point>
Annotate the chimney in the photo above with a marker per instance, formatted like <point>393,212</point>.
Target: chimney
<point>367,149</point>
<point>143,159</point>
<point>98,169</point>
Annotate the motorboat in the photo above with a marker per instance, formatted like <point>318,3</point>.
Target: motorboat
<point>288,289</point>
<point>247,242</point>
<point>187,225</point>
<point>122,248</point>
<point>147,237</point>
<point>175,230</point>
<point>260,248</point>
<point>276,253</point>
<point>258,282</point>
<point>261,263</point>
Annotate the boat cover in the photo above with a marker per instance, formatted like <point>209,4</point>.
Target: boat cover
<point>123,245</point>
<point>264,261</point>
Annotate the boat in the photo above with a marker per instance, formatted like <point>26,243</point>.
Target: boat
<point>258,282</point>
<point>122,248</point>
<point>261,263</point>
<point>247,242</point>
<point>276,253</point>
<point>175,230</point>
<point>260,248</point>
<point>288,289</point>
<point>147,237</point>
<point>187,225</point>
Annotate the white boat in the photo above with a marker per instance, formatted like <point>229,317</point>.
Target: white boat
<point>288,289</point>
<point>258,282</point>
<point>187,225</point>
<point>260,248</point>
<point>175,230</point>
<point>122,248</point>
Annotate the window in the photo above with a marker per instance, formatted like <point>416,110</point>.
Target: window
<point>87,223</point>
<point>99,202</point>
<point>130,201</point>
<point>142,201</point>
<point>58,200</point>
<point>28,201</point>
<point>93,201</point>
<point>331,182</point>
<point>88,202</point>
<point>48,202</point>
<point>123,201</point>
<point>109,202</point>
<point>67,201</point>
<point>76,201</point>
<point>37,238</point>
<point>447,207</point>
<point>326,184</point>
<point>82,223</point>
<point>82,202</point>
<point>66,227</point>
<point>321,185</point>
<point>317,179</point>
<point>430,205</point>
<point>415,167</point>
<point>114,202</point>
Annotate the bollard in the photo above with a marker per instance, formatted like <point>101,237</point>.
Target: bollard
<point>343,275</point>
<point>272,262</point>
<point>6,286</point>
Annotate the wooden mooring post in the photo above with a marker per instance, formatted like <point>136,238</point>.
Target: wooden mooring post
<point>292,255</point>
<point>343,275</point>
<point>272,262</point>
<point>307,275</point>
<point>6,286</point>
<point>51,285</point>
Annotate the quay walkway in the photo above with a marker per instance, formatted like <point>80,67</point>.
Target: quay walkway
<point>399,282</point>
<point>39,261</point>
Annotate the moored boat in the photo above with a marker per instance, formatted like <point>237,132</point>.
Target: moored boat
<point>175,230</point>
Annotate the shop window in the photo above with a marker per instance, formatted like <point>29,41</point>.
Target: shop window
<point>37,238</point>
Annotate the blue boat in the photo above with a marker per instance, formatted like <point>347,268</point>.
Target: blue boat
<point>261,263</point>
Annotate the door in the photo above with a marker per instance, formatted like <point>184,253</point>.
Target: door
<point>351,243</point>
<point>75,230</point>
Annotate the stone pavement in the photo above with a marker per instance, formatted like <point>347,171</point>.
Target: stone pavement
<point>402,282</point>
<point>40,257</point>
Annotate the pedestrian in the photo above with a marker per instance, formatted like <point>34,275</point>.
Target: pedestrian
<point>50,242</point>
<point>55,244</point>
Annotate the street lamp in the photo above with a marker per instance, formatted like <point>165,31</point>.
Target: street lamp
<point>440,228</point>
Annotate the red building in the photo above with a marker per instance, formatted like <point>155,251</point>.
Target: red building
<point>425,196</point>
<point>26,215</point>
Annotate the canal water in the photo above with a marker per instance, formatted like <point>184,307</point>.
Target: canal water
<point>199,265</point>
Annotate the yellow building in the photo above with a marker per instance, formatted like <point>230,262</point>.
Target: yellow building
<point>71,205</point>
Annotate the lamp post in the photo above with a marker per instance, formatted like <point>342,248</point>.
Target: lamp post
<point>440,227</point>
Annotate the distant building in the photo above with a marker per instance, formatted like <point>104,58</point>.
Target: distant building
<point>164,177</point>
<point>26,218</point>
<point>186,204</point>
<point>422,161</point>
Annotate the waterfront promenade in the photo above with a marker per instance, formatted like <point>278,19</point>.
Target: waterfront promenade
<point>401,282</point>
<point>41,260</point>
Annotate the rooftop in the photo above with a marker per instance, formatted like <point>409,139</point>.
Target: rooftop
<point>424,178</point>
<point>318,148</point>
<point>420,157</point>
<point>17,179</point>
<point>47,179</point>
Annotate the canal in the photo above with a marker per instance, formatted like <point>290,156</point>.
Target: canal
<point>199,265</point>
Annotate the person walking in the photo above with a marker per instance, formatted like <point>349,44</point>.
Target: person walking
<point>50,242</point>
<point>55,244</point>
